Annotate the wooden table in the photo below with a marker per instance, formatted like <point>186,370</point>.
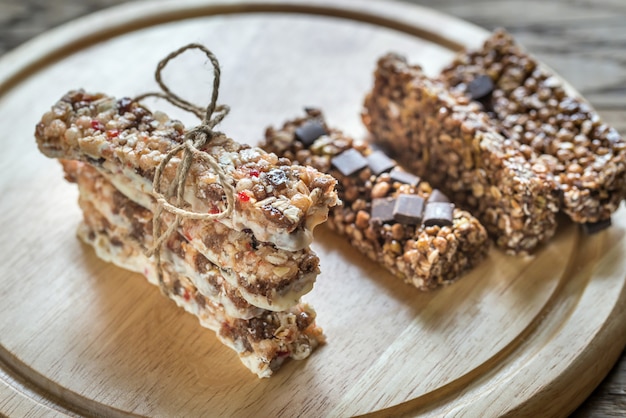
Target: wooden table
<point>583,41</point>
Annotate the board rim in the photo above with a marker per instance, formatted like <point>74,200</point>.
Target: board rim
<point>25,61</point>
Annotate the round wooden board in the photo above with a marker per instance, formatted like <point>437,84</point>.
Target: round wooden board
<point>514,336</point>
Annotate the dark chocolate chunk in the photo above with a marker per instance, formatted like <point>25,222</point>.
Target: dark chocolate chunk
<point>438,213</point>
<point>349,162</point>
<point>379,162</point>
<point>437,196</point>
<point>591,228</point>
<point>404,177</point>
<point>123,105</point>
<point>408,209</point>
<point>382,210</point>
<point>277,178</point>
<point>480,88</point>
<point>308,132</point>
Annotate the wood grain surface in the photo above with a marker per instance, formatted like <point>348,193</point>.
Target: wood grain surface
<point>583,42</point>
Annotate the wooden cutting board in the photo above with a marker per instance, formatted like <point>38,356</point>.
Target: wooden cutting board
<point>79,336</point>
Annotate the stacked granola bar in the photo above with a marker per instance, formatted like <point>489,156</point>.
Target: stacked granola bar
<point>242,275</point>
<point>392,216</point>
<point>503,138</point>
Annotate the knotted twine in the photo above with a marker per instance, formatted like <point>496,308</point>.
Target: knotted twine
<point>192,142</point>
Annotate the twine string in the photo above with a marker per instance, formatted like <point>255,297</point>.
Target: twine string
<point>193,141</point>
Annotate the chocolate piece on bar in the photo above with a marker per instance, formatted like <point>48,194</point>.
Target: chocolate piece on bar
<point>591,228</point>
<point>409,209</point>
<point>379,162</point>
<point>383,210</point>
<point>278,178</point>
<point>438,214</point>
<point>349,162</point>
<point>437,196</point>
<point>404,177</point>
<point>310,131</point>
<point>480,88</point>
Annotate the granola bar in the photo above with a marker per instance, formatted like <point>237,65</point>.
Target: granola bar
<point>443,135</point>
<point>262,342</point>
<point>134,224</point>
<point>533,108</point>
<point>279,202</point>
<point>263,275</point>
<point>388,214</point>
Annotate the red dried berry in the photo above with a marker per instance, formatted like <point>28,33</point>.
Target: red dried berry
<point>254,172</point>
<point>95,124</point>
<point>113,133</point>
<point>243,196</point>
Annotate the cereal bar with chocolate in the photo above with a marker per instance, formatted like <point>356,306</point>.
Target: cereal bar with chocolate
<point>279,202</point>
<point>393,217</point>
<point>442,135</point>
<point>263,342</point>
<point>533,108</point>
<point>264,275</point>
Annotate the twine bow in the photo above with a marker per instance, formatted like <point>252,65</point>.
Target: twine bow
<point>193,140</point>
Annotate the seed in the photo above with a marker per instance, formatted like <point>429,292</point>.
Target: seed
<point>362,219</point>
<point>440,244</point>
<point>575,168</point>
<point>301,201</point>
<point>380,190</point>
<point>397,232</point>
<point>351,193</point>
<point>478,190</point>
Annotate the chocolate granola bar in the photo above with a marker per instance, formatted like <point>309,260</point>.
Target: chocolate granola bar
<point>442,135</point>
<point>393,217</point>
<point>533,108</point>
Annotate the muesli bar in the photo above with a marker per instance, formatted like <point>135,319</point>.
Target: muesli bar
<point>177,253</point>
<point>531,106</point>
<point>262,342</point>
<point>444,136</point>
<point>279,202</point>
<point>261,274</point>
<point>393,217</point>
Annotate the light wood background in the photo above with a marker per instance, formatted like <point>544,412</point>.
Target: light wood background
<point>584,41</point>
